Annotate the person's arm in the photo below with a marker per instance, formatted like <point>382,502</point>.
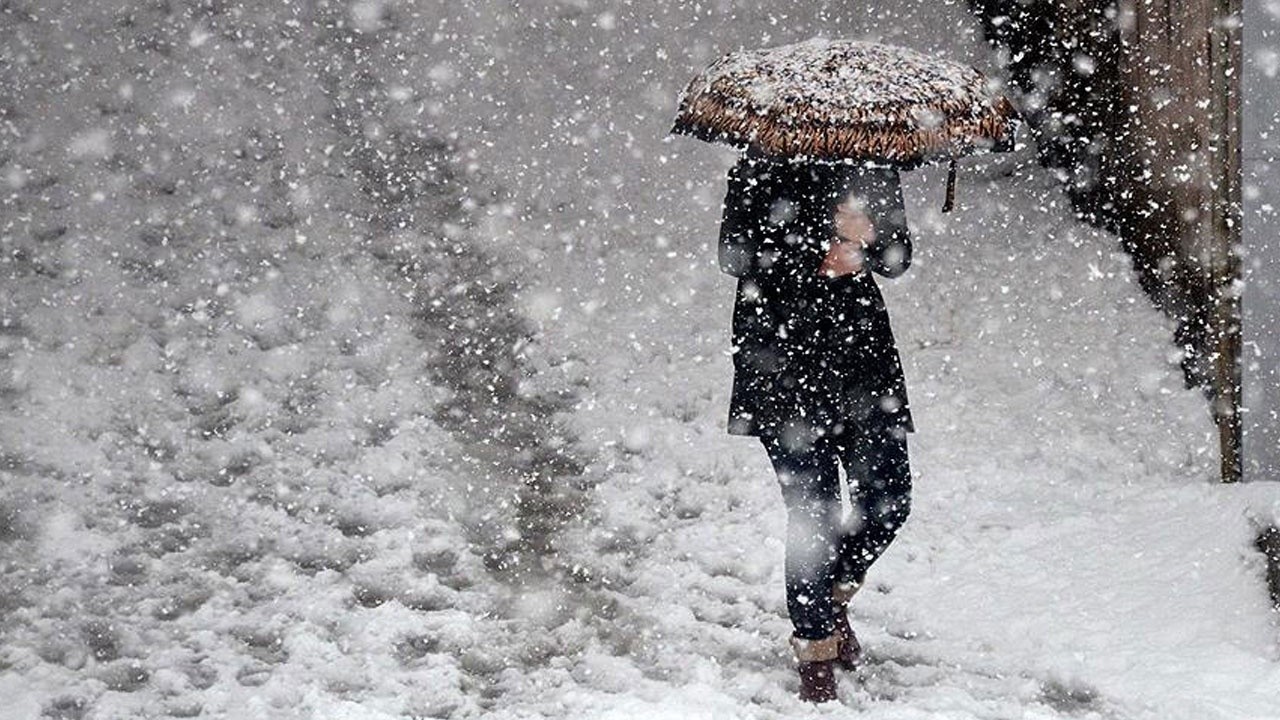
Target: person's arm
<point>889,252</point>
<point>741,227</point>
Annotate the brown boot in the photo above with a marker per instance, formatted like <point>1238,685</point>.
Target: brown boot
<point>816,659</point>
<point>850,650</point>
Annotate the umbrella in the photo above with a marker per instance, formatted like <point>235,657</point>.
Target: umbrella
<point>830,100</point>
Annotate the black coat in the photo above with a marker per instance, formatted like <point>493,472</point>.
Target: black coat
<point>811,354</point>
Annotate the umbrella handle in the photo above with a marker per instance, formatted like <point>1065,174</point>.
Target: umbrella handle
<point>950,201</point>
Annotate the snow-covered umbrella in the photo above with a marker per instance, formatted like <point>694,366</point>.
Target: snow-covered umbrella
<point>828,100</point>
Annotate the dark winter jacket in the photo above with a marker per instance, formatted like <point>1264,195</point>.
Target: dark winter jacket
<point>811,353</point>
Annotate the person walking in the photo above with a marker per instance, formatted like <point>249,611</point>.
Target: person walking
<point>818,379</point>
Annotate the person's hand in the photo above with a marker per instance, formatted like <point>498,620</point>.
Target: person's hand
<point>843,258</point>
<point>853,225</point>
<point>854,231</point>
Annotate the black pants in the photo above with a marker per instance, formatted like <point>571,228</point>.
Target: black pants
<point>821,548</point>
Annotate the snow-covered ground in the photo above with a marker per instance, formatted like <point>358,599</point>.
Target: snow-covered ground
<point>234,486</point>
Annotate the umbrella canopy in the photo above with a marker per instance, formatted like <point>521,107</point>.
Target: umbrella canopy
<point>847,99</point>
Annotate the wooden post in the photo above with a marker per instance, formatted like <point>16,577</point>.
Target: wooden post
<point>1225,69</point>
